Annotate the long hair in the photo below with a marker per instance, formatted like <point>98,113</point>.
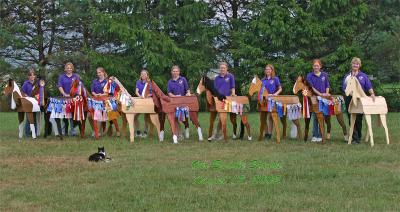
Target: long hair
<point>273,74</point>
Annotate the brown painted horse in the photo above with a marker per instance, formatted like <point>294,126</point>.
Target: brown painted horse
<point>22,104</point>
<point>255,87</point>
<point>302,85</point>
<point>212,98</point>
<point>168,105</point>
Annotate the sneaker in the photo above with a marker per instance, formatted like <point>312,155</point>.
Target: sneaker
<point>211,138</point>
<point>186,133</point>
<point>249,138</point>
<point>219,138</point>
<point>314,139</point>
<point>234,136</point>
<point>319,140</point>
<point>138,133</point>
<point>175,138</point>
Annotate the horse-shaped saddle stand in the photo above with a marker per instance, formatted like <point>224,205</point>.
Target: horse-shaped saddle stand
<point>362,104</point>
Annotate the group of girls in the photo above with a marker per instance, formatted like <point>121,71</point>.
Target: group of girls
<point>224,82</point>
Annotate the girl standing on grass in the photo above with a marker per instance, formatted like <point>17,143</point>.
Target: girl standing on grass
<point>140,91</point>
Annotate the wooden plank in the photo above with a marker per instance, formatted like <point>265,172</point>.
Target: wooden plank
<point>140,106</point>
<point>180,101</point>
<point>367,106</point>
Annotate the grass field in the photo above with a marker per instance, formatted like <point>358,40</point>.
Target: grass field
<point>55,175</point>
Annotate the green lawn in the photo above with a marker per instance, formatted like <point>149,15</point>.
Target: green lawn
<point>55,175</point>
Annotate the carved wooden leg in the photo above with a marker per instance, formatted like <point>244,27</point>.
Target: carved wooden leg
<point>369,125</point>
<point>284,126</point>
<point>306,128</point>
<point>222,119</point>
<point>383,121</point>
<point>321,119</point>
<point>262,125</point>
<point>156,122</point>
<point>328,126</point>
<point>21,117</point>
<point>130,119</point>
<point>275,119</point>
<point>298,126</point>
<point>340,119</point>
<point>352,122</point>
<point>213,115</point>
<point>232,116</point>
<point>247,125</point>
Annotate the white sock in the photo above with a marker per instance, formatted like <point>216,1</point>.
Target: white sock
<point>162,135</point>
<point>33,130</point>
<point>21,130</point>
<point>200,134</point>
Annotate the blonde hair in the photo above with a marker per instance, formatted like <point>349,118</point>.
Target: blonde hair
<point>175,67</point>
<point>69,64</point>
<point>356,60</point>
<point>102,70</point>
<point>147,72</point>
<point>224,64</point>
<point>273,74</point>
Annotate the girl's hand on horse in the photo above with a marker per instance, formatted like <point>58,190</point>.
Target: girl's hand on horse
<point>188,94</point>
<point>373,97</point>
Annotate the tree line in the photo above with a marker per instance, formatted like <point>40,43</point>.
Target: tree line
<point>125,36</point>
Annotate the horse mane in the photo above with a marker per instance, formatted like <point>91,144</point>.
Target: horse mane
<point>157,96</point>
<point>209,85</point>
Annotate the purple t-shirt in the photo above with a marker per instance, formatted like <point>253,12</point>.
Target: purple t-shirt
<point>27,88</point>
<point>320,83</point>
<point>178,87</point>
<point>362,79</point>
<point>98,86</point>
<point>224,84</point>
<point>65,82</point>
<point>272,84</point>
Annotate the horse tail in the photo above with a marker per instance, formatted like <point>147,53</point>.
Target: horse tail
<point>241,135</point>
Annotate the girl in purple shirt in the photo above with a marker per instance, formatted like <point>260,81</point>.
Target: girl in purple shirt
<point>27,88</point>
<point>64,86</point>
<point>178,86</point>
<point>320,85</point>
<point>273,86</point>
<point>140,86</point>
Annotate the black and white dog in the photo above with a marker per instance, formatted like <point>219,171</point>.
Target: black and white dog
<point>99,156</point>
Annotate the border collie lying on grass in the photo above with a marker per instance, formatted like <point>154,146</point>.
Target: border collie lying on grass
<point>99,156</point>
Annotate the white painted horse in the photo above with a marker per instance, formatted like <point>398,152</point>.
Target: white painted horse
<point>362,104</point>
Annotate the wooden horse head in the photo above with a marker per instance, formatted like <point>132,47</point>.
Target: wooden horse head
<point>207,84</point>
<point>301,84</point>
<point>9,88</point>
<point>256,86</point>
<point>354,89</point>
<point>78,89</point>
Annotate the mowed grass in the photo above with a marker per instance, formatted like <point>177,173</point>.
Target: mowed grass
<point>54,175</point>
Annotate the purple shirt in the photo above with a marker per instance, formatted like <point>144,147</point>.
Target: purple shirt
<point>320,83</point>
<point>140,86</point>
<point>224,84</point>
<point>27,88</point>
<point>362,79</point>
<point>98,86</point>
<point>272,84</point>
<point>178,87</point>
<point>65,82</point>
